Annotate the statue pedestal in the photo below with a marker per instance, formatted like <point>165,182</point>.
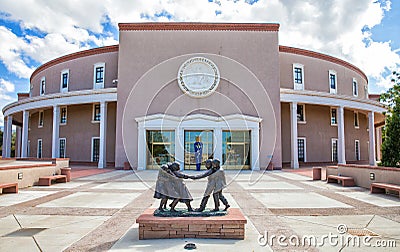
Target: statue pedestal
<point>230,226</point>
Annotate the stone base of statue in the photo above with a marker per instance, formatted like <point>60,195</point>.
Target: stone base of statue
<point>229,225</point>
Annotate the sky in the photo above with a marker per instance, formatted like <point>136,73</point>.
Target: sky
<point>365,33</point>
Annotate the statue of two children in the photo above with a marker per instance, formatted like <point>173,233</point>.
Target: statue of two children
<point>170,185</point>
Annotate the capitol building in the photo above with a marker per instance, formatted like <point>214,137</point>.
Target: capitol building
<point>248,101</point>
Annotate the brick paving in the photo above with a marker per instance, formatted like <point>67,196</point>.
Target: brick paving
<point>103,228</point>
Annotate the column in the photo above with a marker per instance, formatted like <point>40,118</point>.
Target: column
<point>341,143</point>
<point>103,135</point>
<point>142,146</point>
<point>4,148</point>
<point>293,133</point>
<point>56,128</point>
<point>9,136</point>
<point>255,149</point>
<point>378,140</point>
<point>218,143</point>
<point>18,141</point>
<point>371,119</point>
<point>180,146</point>
<point>25,127</point>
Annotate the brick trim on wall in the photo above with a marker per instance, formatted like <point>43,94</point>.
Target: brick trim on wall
<point>303,52</point>
<point>189,26</point>
<point>94,51</point>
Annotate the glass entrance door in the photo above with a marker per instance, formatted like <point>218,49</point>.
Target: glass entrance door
<point>236,149</point>
<point>160,148</point>
<point>198,148</point>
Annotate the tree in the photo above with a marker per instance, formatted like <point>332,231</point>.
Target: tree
<point>391,143</point>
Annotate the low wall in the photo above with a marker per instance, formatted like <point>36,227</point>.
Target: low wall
<point>361,174</point>
<point>30,172</point>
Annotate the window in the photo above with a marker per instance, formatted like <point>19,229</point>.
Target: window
<point>356,121</point>
<point>355,87</point>
<point>333,116</point>
<point>41,119</point>
<point>28,151</point>
<point>301,113</point>
<point>39,148</point>
<point>95,149</point>
<point>301,149</point>
<point>96,113</point>
<point>332,82</point>
<point>64,80</point>
<point>366,91</point>
<point>298,76</point>
<point>99,75</point>
<point>357,149</point>
<point>63,115</point>
<point>334,150</point>
<point>62,147</point>
<point>42,86</point>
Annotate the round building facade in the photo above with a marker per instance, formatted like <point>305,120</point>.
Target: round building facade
<point>187,92</point>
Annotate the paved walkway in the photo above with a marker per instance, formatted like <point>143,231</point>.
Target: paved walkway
<point>97,212</point>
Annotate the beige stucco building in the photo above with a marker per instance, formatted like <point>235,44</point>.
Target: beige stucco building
<point>168,86</point>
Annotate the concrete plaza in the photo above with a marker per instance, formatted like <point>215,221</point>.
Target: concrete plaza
<point>98,212</point>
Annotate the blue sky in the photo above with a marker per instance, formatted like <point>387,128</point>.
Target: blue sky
<point>32,32</point>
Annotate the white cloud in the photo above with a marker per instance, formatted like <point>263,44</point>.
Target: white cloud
<point>6,90</point>
<point>330,26</point>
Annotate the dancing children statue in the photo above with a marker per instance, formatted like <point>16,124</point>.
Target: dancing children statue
<point>170,185</point>
<point>216,182</point>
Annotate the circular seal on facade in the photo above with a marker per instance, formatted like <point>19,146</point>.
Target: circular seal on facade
<point>198,77</point>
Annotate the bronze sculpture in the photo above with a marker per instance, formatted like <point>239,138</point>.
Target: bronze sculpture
<point>216,182</point>
<point>170,185</point>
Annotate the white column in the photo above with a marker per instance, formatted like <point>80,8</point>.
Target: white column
<point>255,149</point>
<point>56,128</point>
<point>4,149</point>
<point>378,140</point>
<point>372,158</point>
<point>218,143</point>
<point>18,141</point>
<point>103,135</point>
<point>293,134</point>
<point>25,128</point>
<point>142,147</point>
<point>180,146</point>
<point>9,136</point>
<point>341,143</point>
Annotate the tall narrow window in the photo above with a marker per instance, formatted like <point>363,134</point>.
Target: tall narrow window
<point>63,115</point>
<point>333,117</point>
<point>332,82</point>
<point>99,75</point>
<point>63,143</point>
<point>96,113</point>
<point>95,149</point>
<point>334,150</point>
<point>301,149</point>
<point>39,148</point>
<point>356,121</point>
<point>42,86</point>
<point>357,149</point>
<point>355,87</point>
<point>301,117</point>
<point>298,76</point>
<point>64,81</point>
<point>41,119</point>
